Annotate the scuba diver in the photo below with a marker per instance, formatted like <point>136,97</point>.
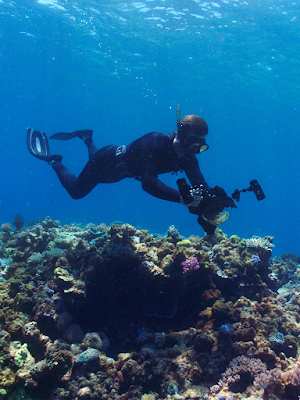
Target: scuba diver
<point>144,159</point>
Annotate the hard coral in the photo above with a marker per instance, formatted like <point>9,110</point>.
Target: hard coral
<point>6,227</point>
<point>240,372</point>
<point>190,265</point>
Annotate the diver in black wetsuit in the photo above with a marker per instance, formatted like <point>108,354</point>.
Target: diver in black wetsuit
<point>144,159</point>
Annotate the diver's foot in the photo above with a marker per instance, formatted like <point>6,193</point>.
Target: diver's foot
<point>55,158</point>
<point>85,135</point>
<point>38,146</point>
<point>82,134</point>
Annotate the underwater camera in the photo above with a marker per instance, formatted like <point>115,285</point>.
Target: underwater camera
<point>210,210</point>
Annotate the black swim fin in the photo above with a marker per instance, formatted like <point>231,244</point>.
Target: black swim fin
<point>83,134</point>
<point>38,146</point>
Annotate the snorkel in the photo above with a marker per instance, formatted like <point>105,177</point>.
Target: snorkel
<point>179,141</point>
<point>179,148</point>
<point>178,114</point>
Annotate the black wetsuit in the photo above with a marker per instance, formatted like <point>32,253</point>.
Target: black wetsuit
<point>143,159</point>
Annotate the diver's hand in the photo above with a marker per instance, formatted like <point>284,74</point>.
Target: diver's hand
<point>217,191</point>
<point>195,197</point>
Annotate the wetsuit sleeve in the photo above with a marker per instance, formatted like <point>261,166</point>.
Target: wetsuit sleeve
<point>157,188</point>
<point>192,170</point>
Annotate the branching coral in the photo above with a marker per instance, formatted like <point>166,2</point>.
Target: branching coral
<point>239,371</point>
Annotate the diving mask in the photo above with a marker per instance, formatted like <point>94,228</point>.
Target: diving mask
<point>195,143</point>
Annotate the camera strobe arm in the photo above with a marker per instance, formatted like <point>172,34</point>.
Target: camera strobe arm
<point>254,187</point>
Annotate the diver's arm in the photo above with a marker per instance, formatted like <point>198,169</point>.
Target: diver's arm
<point>192,170</point>
<point>156,188</point>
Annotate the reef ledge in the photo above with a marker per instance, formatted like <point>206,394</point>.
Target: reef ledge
<point>116,312</point>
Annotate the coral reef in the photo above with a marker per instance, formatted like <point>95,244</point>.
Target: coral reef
<point>115,312</point>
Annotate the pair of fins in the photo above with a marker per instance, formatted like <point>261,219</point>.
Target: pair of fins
<point>38,145</point>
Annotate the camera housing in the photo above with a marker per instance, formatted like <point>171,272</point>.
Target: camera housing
<point>213,202</point>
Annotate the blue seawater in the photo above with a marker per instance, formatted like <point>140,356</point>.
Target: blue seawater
<point>120,68</point>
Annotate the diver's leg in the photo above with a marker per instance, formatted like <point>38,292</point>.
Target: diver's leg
<point>92,149</point>
<point>100,169</point>
<point>71,183</point>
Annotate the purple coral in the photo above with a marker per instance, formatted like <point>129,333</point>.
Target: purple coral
<point>190,265</point>
<point>238,367</point>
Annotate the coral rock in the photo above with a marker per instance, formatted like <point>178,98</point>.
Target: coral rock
<point>73,334</point>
